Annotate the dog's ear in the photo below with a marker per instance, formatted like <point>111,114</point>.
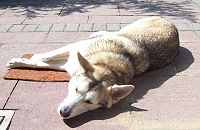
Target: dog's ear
<point>120,91</point>
<point>85,64</point>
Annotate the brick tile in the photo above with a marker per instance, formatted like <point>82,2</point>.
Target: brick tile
<point>198,33</point>
<point>5,90</point>
<point>113,27</point>
<point>196,1</point>
<point>5,28</point>
<point>194,26</point>
<point>99,27</point>
<point>122,25</point>
<point>85,27</point>
<point>58,28</point>
<point>71,27</point>
<point>30,28</point>
<point>66,37</point>
<point>113,19</point>
<point>164,92</point>
<point>188,36</point>
<point>90,9</point>
<point>56,20</point>
<point>43,28</point>
<point>16,28</point>
<point>2,11</point>
<point>16,11</point>
<point>35,106</point>
<point>22,37</point>
<point>12,20</point>
<point>182,26</point>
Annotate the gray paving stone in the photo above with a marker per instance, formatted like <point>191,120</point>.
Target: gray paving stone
<point>16,28</point>
<point>30,28</point>
<point>113,27</point>
<point>99,27</point>
<point>194,26</point>
<point>86,27</point>
<point>44,28</point>
<point>71,27</point>
<point>58,28</point>
<point>182,26</point>
<point>123,25</point>
<point>5,28</point>
<point>196,1</point>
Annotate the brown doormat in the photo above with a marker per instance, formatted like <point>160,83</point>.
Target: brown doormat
<point>30,74</point>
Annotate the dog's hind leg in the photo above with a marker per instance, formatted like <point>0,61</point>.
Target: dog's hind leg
<point>61,53</point>
<point>24,63</point>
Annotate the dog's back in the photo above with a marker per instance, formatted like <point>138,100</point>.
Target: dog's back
<point>157,36</point>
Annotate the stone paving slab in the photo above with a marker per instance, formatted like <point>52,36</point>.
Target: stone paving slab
<point>44,28</point>
<point>32,101</point>
<point>23,37</point>
<point>56,20</point>
<point>5,28</point>
<point>90,9</point>
<point>5,91</point>
<point>12,20</point>
<point>188,36</point>
<point>16,28</point>
<point>85,27</point>
<point>58,28</point>
<point>71,27</point>
<point>30,28</point>
<point>99,27</point>
<point>113,27</point>
<point>66,37</point>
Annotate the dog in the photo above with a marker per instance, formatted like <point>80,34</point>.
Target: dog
<point>102,67</point>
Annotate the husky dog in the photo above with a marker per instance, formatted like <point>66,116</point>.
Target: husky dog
<point>103,66</point>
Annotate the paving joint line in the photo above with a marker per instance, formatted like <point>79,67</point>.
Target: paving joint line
<point>10,94</point>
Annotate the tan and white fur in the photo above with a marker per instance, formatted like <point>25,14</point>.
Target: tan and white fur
<point>103,66</point>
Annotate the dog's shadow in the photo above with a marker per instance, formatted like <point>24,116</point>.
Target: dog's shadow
<point>183,60</point>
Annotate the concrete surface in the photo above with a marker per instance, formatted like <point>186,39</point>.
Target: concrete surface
<point>167,98</point>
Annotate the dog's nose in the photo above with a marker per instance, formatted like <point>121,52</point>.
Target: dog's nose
<point>65,112</point>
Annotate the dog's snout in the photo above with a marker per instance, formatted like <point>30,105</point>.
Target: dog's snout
<point>65,112</point>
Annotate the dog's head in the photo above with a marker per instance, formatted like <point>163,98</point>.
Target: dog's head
<point>91,87</point>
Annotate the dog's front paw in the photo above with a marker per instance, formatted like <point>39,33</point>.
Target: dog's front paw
<point>98,34</point>
<point>15,62</point>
